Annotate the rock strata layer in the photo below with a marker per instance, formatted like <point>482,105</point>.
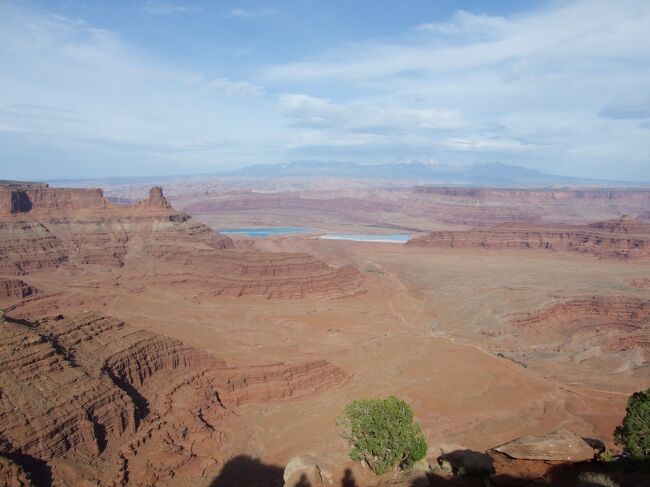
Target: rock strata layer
<point>621,239</point>
<point>44,229</point>
<point>90,398</point>
<point>611,323</point>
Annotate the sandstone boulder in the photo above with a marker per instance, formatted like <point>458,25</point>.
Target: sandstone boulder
<point>529,458</point>
<point>560,445</point>
<point>302,470</point>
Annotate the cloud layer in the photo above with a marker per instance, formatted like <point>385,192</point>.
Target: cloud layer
<point>562,88</point>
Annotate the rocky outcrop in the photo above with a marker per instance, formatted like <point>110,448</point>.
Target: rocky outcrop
<point>531,458</point>
<point>15,288</point>
<point>605,239</point>
<point>611,324</point>
<point>592,311</point>
<point>140,238</point>
<point>606,194</point>
<point>479,207</point>
<point>41,198</point>
<point>12,474</point>
<point>156,199</point>
<point>90,397</point>
<point>49,403</point>
<point>559,446</point>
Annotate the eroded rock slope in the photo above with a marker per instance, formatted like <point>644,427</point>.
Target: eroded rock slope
<point>45,229</point>
<point>622,238</point>
<point>90,399</point>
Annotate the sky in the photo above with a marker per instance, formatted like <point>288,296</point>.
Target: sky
<point>151,87</point>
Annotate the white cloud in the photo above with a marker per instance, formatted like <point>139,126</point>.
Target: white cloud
<point>105,100</point>
<point>486,144</point>
<point>309,111</point>
<point>254,13</point>
<point>559,87</point>
<point>166,8</point>
<point>562,86</point>
<point>234,88</point>
<point>366,116</point>
<point>466,23</point>
<point>595,29</point>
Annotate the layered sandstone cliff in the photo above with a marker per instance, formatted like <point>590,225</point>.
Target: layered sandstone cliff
<point>488,206</point>
<point>613,239</point>
<point>611,194</point>
<point>611,324</point>
<point>15,288</point>
<point>43,229</point>
<point>92,399</point>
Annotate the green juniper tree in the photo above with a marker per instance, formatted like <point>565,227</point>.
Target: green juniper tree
<point>381,432</point>
<point>634,433</point>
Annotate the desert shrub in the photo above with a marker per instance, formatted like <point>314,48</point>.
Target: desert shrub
<point>607,456</point>
<point>634,433</point>
<point>595,479</point>
<point>381,432</point>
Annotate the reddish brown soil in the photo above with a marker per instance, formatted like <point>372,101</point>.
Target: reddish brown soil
<point>171,358</point>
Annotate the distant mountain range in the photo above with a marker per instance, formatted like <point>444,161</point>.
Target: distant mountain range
<point>483,174</point>
<point>493,174</point>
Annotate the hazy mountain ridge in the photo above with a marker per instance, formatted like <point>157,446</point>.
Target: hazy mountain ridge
<point>481,174</point>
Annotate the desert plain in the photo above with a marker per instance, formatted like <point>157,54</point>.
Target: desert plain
<point>508,313</point>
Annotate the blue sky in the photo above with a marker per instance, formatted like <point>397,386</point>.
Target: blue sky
<point>96,89</point>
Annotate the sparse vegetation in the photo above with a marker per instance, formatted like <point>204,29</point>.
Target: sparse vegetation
<point>607,456</point>
<point>595,479</point>
<point>634,433</point>
<point>381,433</point>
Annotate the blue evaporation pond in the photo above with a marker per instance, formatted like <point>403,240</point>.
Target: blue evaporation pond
<point>264,232</point>
<point>399,238</point>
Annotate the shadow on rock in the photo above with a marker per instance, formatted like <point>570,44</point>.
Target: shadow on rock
<point>245,471</point>
<point>468,463</point>
<point>348,479</point>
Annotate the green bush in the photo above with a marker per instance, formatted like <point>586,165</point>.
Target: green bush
<point>382,433</point>
<point>634,433</point>
<point>607,456</point>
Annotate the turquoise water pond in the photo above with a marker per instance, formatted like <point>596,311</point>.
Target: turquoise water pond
<point>264,232</point>
<point>398,238</point>
<point>261,232</point>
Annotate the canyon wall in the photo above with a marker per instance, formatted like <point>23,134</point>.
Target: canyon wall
<point>77,229</point>
<point>617,239</point>
<point>418,207</point>
<point>522,195</point>
<point>36,198</point>
<point>607,324</point>
<point>92,399</point>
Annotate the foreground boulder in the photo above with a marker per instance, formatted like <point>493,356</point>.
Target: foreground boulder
<point>530,458</point>
<point>303,470</point>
